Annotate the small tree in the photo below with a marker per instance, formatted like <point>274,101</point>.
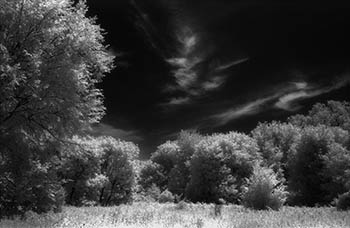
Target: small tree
<point>118,167</point>
<point>264,190</point>
<point>166,197</point>
<point>343,202</point>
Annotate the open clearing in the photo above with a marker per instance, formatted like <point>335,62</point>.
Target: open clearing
<point>143,215</point>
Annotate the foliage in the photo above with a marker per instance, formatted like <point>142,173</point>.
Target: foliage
<point>264,190</point>
<point>179,176</point>
<point>169,166</point>
<point>310,181</point>
<point>99,171</point>
<point>333,114</point>
<point>152,174</point>
<point>28,178</point>
<point>276,142</point>
<point>166,197</point>
<point>343,201</point>
<point>219,166</point>
<point>166,155</point>
<point>51,58</point>
<point>337,170</point>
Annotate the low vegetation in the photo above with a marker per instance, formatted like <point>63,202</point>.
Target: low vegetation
<point>142,215</point>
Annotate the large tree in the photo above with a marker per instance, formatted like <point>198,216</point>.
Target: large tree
<point>51,57</point>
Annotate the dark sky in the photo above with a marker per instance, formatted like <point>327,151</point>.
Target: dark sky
<point>218,65</point>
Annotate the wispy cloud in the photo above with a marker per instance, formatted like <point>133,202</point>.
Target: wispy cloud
<point>109,130</point>
<point>147,28</point>
<point>185,63</point>
<point>189,75</point>
<point>249,108</point>
<point>178,101</point>
<point>231,64</point>
<point>300,85</point>
<point>289,101</point>
<point>285,98</point>
<point>213,83</point>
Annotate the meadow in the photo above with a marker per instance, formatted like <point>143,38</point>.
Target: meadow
<point>142,215</point>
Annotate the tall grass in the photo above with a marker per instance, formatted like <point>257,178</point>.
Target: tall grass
<point>142,215</point>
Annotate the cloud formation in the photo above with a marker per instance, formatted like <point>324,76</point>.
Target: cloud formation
<point>288,101</point>
<point>186,62</point>
<point>189,75</point>
<point>249,108</point>
<point>285,98</point>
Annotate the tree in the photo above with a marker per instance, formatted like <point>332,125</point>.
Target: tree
<point>264,190</point>
<point>51,57</point>
<point>314,165</point>
<point>276,142</point>
<point>152,174</point>
<point>99,171</point>
<point>220,165</point>
<point>179,176</point>
<point>166,155</point>
<point>118,167</point>
<point>170,164</point>
<point>333,114</point>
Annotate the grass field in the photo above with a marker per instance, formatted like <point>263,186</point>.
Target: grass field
<point>141,215</point>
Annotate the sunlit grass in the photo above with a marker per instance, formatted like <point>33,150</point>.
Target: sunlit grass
<point>142,215</point>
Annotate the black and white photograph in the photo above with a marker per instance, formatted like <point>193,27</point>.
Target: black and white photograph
<point>174,113</point>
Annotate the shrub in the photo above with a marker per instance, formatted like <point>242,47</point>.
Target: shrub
<point>343,201</point>
<point>153,193</point>
<point>264,190</point>
<point>166,197</point>
<point>182,205</point>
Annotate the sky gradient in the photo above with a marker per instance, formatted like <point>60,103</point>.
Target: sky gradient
<point>217,66</point>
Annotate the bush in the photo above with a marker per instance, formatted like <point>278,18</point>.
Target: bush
<point>343,201</point>
<point>166,197</point>
<point>182,205</point>
<point>264,190</point>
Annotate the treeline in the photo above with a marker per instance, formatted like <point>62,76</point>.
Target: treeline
<point>303,161</point>
<point>51,58</point>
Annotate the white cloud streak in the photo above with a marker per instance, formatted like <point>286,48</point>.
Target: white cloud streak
<point>287,101</point>
<point>231,64</point>
<point>285,98</point>
<point>242,110</point>
<point>179,101</point>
